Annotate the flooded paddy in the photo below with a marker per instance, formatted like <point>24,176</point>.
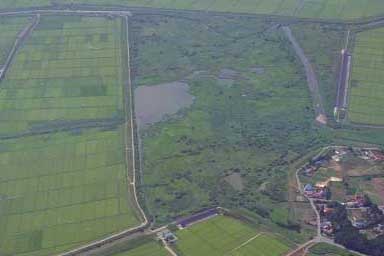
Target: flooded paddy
<point>154,103</point>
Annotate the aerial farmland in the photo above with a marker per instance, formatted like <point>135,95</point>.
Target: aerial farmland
<point>132,128</point>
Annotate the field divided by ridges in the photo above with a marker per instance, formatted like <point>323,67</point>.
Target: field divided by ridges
<point>226,236</point>
<point>367,90</point>
<point>66,71</point>
<point>58,189</point>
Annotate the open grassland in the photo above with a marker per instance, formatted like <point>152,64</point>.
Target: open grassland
<point>62,189</point>
<point>367,90</point>
<point>325,9</point>
<point>69,70</point>
<point>148,249</point>
<point>9,27</point>
<point>252,114</point>
<point>226,236</point>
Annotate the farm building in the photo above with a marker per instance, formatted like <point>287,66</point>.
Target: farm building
<point>167,237</point>
<point>359,217</point>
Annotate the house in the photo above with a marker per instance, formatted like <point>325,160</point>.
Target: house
<point>309,188</point>
<point>356,201</point>
<point>327,228</point>
<point>167,236</point>
<point>309,170</point>
<point>377,155</point>
<point>359,218</point>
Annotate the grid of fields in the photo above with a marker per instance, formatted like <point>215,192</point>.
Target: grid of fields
<point>226,236</point>
<point>148,249</point>
<point>324,9</point>
<point>62,189</point>
<point>9,28</point>
<point>367,88</point>
<point>68,70</point>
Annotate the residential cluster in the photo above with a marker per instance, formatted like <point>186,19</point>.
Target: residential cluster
<point>364,215</point>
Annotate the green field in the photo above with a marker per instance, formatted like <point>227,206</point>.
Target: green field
<point>226,236</point>
<point>325,9</point>
<point>148,249</point>
<point>367,90</point>
<point>63,169</point>
<point>9,28</point>
<point>68,70</point>
<point>328,250</point>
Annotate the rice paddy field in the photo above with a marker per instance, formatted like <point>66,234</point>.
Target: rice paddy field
<point>366,88</point>
<point>9,28</point>
<point>226,236</point>
<point>325,9</point>
<point>68,70</point>
<point>63,168</point>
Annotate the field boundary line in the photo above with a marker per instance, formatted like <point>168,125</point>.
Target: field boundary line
<point>245,243</point>
<point>20,38</point>
<point>133,183</point>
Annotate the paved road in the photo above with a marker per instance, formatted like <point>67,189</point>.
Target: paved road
<point>312,81</point>
<point>319,237</point>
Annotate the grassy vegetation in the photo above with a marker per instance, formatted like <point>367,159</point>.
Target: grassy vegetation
<point>322,44</point>
<point>148,249</point>
<point>329,250</point>
<point>9,28</point>
<point>325,9</point>
<point>226,236</point>
<point>367,92</point>
<point>62,189</point>
<point>253,123</point>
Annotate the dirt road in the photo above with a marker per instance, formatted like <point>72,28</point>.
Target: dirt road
<point>130,137</point>
<point>312,81</point>
<point>21,37</point>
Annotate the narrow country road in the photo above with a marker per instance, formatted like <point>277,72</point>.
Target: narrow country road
<point>319,237</point>
<point>312,81</point>
<point>129,138</point>
<point>21,37</point>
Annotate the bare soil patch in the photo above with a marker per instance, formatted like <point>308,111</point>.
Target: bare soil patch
<point>154,103</point>
<point>236,181</point>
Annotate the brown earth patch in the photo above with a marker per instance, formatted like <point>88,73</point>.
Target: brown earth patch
<point>235,180</point>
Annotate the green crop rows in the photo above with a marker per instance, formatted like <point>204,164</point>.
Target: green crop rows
<point>225,236</point>
<point>66,71</point>
<point>367,90</point>
<point>61,189</point>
